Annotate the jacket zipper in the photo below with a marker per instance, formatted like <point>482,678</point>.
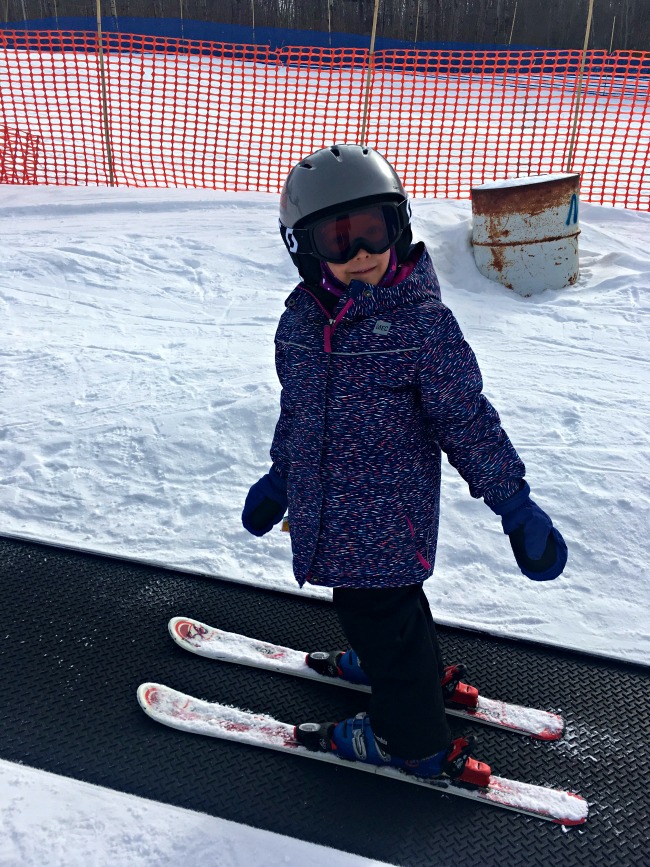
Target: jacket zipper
<point>332,325</point>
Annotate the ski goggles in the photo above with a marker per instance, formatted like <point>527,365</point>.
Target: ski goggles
<point>338,237</point>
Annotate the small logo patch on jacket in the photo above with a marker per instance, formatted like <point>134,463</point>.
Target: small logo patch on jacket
<point>381,327</point>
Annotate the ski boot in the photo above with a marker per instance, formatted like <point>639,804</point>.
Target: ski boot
<point>347,666</point>
<point>353,740</point>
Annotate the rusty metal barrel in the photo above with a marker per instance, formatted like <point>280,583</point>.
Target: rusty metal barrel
<point>525,231</point>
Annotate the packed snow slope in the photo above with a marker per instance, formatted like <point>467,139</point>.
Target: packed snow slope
<point>138,399</point>
<point>54,821</point>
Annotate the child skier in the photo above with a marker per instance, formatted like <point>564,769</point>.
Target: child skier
<point>377,379</point>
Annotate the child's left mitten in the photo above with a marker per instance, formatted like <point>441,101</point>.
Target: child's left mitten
<point>539,549</point>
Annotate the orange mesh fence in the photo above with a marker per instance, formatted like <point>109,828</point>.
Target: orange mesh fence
<point>18,156</point>
<point>237,117</point>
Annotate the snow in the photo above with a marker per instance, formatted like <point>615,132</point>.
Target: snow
<point>138,399</point>
<point>524,181</point>
<point>50,820</point>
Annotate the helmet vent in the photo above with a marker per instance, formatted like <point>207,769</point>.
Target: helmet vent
<point>306,165</point>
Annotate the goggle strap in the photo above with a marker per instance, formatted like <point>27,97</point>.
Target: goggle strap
<point>295,240</point>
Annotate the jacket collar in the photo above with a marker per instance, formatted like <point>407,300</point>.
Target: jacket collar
<point>419,284</point>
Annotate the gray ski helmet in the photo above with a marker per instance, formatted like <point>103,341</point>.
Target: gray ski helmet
<point>329,180</point>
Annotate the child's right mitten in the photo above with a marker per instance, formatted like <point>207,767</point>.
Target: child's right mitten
<point>266,503</point>
<point>539,549</point>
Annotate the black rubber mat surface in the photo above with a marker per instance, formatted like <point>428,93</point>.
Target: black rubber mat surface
<point>80,632</point>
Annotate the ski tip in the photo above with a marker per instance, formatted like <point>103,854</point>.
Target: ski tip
<point>148,694</point>
<point>181,627</point>
<point>188,632</point>
<point>156,699</point>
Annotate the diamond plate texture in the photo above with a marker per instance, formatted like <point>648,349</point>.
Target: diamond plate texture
<point>80,632</point>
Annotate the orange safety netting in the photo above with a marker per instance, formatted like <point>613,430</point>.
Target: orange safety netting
<point>172,112</point>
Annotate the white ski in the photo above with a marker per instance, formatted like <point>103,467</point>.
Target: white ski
<point>215,643</point>
<point>189,714</point>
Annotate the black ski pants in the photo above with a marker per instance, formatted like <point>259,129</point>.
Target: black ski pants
<point>394,635</point>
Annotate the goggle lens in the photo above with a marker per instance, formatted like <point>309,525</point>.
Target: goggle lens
<point>339,238</point>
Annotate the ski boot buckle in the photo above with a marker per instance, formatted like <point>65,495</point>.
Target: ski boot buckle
<point>462,767</point>
<point>456,692</point>
<point>325,663</point>
<point>316,737</point>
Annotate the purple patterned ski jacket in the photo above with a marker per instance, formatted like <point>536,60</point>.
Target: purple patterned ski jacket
<point>369,399</point>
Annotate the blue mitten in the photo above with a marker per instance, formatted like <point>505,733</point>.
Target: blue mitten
<point>540,551</point>
<point>266,503</point>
